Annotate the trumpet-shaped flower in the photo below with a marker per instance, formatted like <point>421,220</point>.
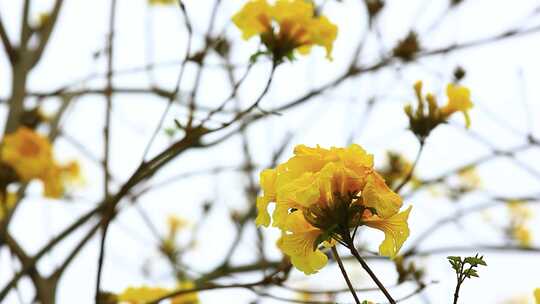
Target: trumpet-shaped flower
<point>428,115</point>
<point>286,26</point>
<point>320,194</point>
<point>459,100</point>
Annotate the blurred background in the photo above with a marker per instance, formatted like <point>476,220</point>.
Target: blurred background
<point>464,177</point>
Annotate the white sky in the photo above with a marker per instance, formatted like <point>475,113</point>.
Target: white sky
<point>503,78</point>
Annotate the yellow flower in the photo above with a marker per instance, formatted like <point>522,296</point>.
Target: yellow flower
<point>537,295</point>
<point>428,115</point>
<point>522,234</point>
<point>459,100</point>
<point>7,204</point>
<point>162,2</point>
<point>286,26</point>
<point>143,294</point>
<point>28,153</point>
<point>322,193</point>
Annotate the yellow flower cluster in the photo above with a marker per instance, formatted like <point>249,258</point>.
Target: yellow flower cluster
<point>423,121</point>
<point>286,26</point>
<point>30,156</point>
<point>325,192</point>
<point>520,214</point>
<point>537,295</point>
<point>144,294</point>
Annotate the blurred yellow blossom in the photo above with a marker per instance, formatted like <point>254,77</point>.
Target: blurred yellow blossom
<point>286,26</point>
<point>537,295</point>
<point>136,295</point>
<point>522,234</point>
<point>188,298</point>
<point>143,294</point>
<point>459,100</point>
<point>428,115</point>
<point>28,153</point>
<point>325,192</point>
<point>31,156</point>
<point>520,213</point>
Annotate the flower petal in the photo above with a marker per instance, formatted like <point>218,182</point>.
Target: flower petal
<point>459,100</point>
<point>263,217</point>
<point>396,231</point>
<point>253,19</point>
<point>297,242</point>
<point>376,194</point>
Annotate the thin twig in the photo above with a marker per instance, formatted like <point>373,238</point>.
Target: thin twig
<point>344,273</point>
<point>106,133</point>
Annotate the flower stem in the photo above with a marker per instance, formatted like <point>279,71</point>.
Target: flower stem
<point>344,273</point>
<point>355,253</point>
<point>411,172</point>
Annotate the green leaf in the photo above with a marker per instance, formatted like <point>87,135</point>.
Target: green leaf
<point>475,261</point>
<point>454,258</point>
<point>471,273</point>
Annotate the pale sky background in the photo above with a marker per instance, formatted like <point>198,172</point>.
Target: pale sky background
<point>503,77</point>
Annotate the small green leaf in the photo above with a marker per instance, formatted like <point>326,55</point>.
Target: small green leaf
<point>475,261</point>
<point>454,258</point>
<point>471,273</point>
